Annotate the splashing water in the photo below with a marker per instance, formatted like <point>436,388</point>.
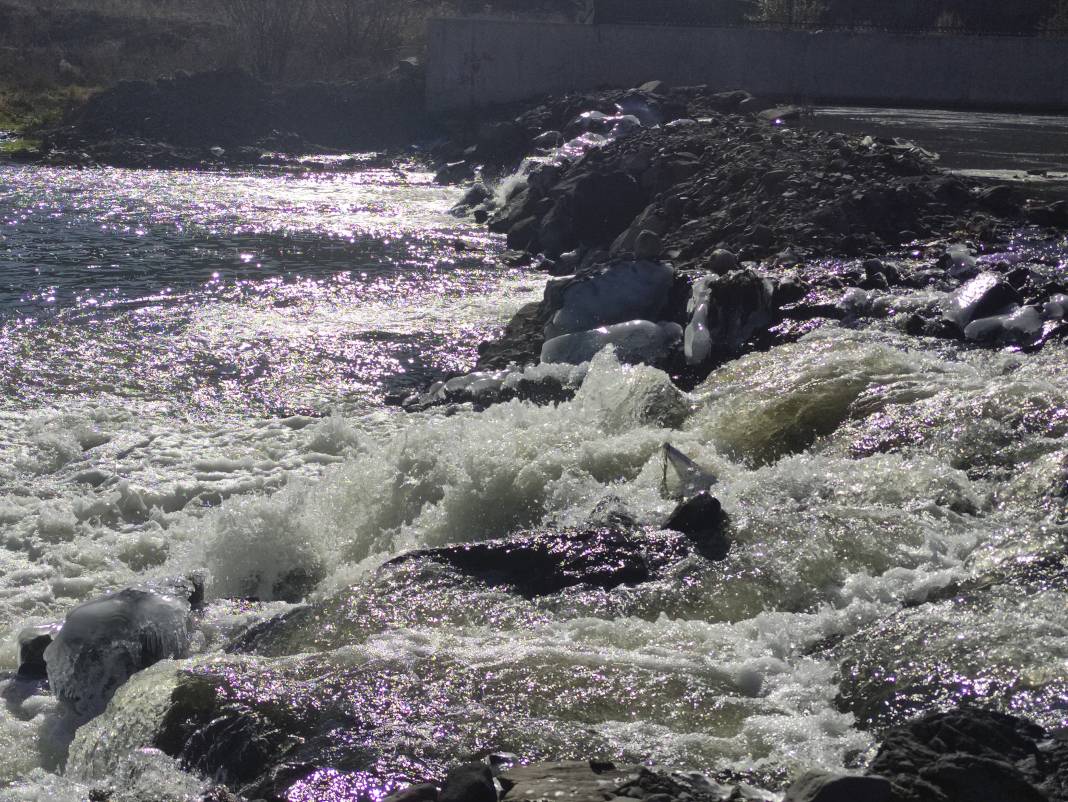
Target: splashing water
<point>861,470</point>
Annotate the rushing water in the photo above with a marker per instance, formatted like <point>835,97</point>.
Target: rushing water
<point>194,367</point>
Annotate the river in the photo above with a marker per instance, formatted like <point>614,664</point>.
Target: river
<point>194,371</point>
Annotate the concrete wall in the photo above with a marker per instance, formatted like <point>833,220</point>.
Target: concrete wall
<point>474,63</point>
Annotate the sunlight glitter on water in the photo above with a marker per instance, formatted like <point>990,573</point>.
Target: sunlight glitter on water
<point>271,293</point>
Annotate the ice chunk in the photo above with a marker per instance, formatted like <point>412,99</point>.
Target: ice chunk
<point>985,295</point>
<point>105,641</point>
<point>621,292</point>
<point>634,341</point>
<point>694,478</point>
<point>725,311</point>
<point>1021,326</point>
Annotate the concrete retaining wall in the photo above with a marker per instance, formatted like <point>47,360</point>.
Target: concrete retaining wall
<point>474,63</point>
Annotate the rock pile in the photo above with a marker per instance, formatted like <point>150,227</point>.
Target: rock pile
<point>685,233</point>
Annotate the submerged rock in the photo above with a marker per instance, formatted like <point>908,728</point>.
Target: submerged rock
<point>566,780</point>
<point>547,562</point>
<point>923,658</point>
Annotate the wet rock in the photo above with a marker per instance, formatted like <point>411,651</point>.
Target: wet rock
<point>568,781</point>
<point>824,787</point>
<point>547,562</point>
<point>966,755</point>
<point>984,296</point>
<point>32,643</point>
<point>542,384</point>
<point>702,520</point>
<point>471,782</point>
<point>519,344</point>
<point>636,341</point>
<point>422,792</point>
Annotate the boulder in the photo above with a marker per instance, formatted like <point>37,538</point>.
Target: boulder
<point>966,755</point>
<point>702,520</point>
<point>103,642</point>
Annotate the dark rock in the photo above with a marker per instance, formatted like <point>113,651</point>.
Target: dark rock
<point>454,173</point>
<point>524,234</point>
<point>702,520</point>
<point>599,205</point>
<point>1001,198</point>
<point>726,312</point>
<point>722,261</point>
<point>817,786</point>
<point>471,782</point>
<point>423,792</point>
<point>648,246</point>
<point>547,562</point>
<point>32,643</point>
<point>519,344</point>
<point>966,755</point>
